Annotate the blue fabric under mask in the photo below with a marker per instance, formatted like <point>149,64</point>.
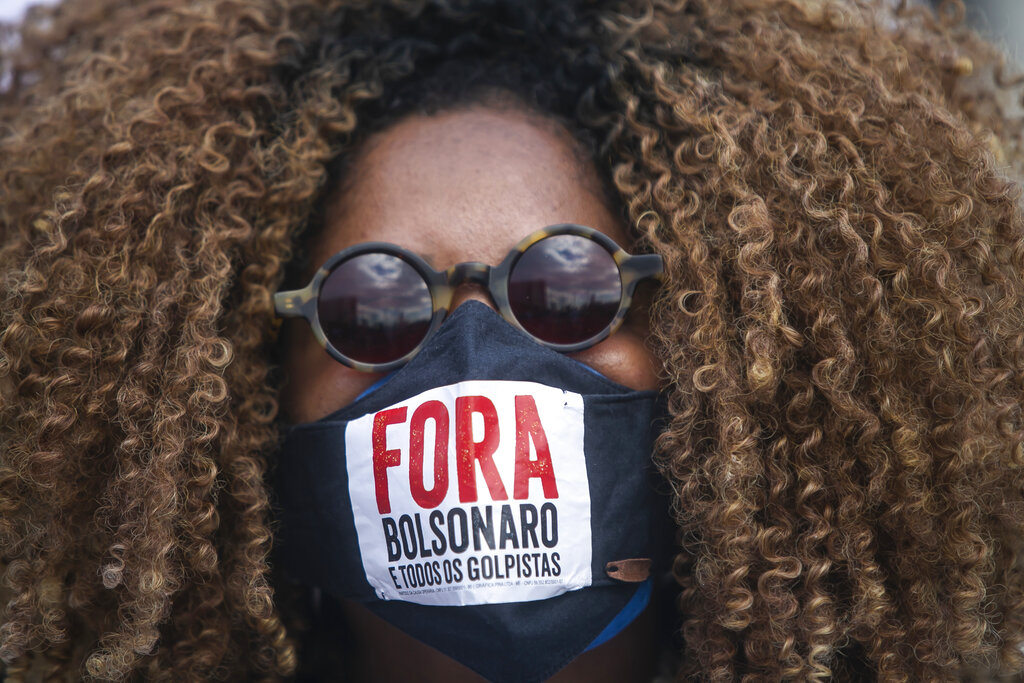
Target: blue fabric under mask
<point>476,498</point>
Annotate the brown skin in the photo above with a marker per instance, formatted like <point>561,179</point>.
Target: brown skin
<point>465,185</point>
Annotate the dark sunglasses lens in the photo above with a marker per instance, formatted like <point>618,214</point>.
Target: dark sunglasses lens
<point>374,308</point>
<point>565,289</point>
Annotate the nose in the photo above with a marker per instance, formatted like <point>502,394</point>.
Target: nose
<point>470,292</point>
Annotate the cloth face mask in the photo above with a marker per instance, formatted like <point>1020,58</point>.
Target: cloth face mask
<point>493,499</point>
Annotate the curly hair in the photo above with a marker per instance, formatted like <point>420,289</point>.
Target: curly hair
<point>832,186</point>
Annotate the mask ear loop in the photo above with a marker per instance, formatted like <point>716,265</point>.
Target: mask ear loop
<point>374,387</point>
<point>636,605</point>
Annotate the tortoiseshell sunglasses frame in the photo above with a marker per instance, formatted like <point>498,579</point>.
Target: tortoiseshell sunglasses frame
<point>302,303</point>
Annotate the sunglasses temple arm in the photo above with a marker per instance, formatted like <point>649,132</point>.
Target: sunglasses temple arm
<point>289,304</point>
<point>648,265</point>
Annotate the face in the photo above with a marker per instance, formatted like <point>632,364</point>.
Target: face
<point>464,185</point>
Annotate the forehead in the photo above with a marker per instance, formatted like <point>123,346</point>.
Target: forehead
<point>464,185</point>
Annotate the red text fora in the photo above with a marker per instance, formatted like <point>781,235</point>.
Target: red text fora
<point>470,454</point>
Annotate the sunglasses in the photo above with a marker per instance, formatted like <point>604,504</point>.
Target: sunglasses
<point>373,306</point>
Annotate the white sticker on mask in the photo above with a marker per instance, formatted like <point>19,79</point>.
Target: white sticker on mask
<point>472,493</point>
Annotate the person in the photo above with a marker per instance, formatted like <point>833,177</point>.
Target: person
<point>833,327</point>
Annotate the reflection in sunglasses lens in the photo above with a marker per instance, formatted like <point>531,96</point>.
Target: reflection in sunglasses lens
<point>374,308</point>
<point>565,289</point>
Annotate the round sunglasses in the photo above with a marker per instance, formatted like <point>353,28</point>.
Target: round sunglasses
<point>373,306</point>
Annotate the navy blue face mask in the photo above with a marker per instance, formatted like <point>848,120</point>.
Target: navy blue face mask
<point>493,499</point>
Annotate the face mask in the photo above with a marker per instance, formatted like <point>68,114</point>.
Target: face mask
<point>493,499</point>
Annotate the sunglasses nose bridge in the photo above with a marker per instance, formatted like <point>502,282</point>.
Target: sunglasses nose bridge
<point>470,280</point>
<point>471,272</point>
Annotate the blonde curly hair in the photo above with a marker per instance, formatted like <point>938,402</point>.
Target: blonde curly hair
<point>831,184</point>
